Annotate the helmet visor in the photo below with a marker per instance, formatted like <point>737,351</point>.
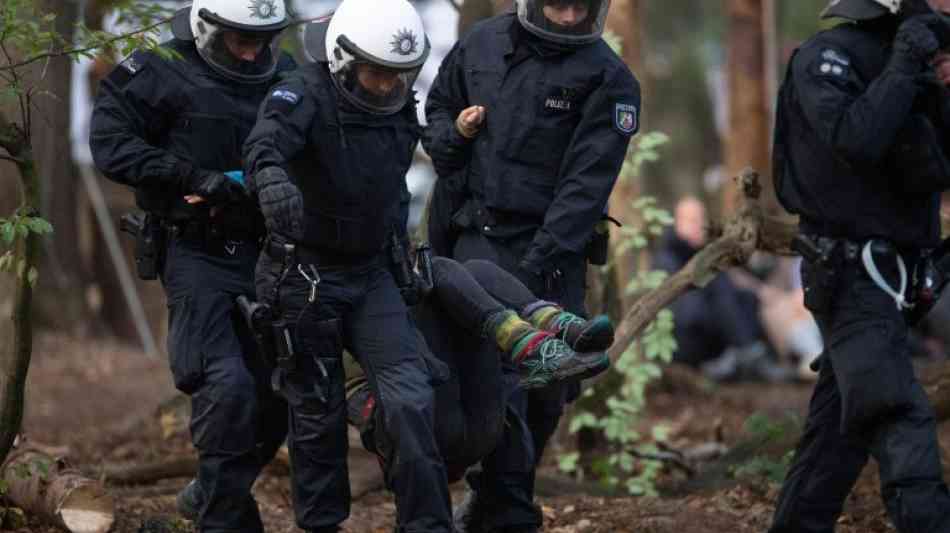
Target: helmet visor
<point>244,56</point>
<point>564,21</point>
<point>374,88</point>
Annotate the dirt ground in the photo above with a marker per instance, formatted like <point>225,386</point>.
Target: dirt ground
<point>90,397</point>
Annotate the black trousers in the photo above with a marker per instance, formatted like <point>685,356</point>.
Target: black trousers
<point>358,307</point>
<point>237,423</point>
<point>867,403</point>
<point>507,482</point>
<point>472,406</point>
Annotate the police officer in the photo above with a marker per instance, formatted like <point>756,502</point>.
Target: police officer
<point>860,156</point>
<point>171,128</point>
<point>529,121</point>
<point>328,158</point>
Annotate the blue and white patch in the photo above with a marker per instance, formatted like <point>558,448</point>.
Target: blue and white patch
<point>832,64</point>
<point>832,56</point>
<point>286,95</point>
<point>625,118</point>
<point>132,65</point>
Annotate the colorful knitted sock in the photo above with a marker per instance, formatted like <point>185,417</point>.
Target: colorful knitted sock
<point>507,328</point>
<point>528,343</point>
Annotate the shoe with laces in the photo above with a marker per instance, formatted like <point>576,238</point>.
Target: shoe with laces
<point>594,335</point>
<point>543,359</point>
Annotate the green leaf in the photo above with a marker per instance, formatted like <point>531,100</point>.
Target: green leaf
<point>6,261</point>
<point>39,226</point>
<point>8,232</point>
<point>568,462</point>
<point>581,421</point>
<point>33,276</point>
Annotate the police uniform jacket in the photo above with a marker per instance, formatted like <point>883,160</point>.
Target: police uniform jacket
<point>157,120</point>
<point>558,122</point>
<point>858,147</point>
<point>349,165</point>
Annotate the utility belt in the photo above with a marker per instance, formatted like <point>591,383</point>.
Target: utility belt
<point>835,261</point>
<point>280,249</point>
<point>506,224</point>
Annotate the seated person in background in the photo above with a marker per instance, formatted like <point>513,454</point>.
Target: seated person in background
<point>717,328</point>
<point>474,313</point>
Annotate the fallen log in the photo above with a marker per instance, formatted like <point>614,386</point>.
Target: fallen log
<point>48,489</point>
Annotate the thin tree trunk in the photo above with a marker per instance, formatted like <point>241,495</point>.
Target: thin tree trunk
<point>15,360</point>
<point>747,143</point>
<point>626,20</point>
<point>61,299</point>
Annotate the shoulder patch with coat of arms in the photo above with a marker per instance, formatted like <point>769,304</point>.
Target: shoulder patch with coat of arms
<point>625,118</point>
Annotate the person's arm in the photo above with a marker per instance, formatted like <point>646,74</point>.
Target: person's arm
<point>129,118</point>
<point>282,127</point>
<point>860,119</point>
<point>281,132</point>
<point>448,148</point>
<point>591,164</point>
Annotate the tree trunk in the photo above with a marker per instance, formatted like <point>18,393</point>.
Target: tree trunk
<point>61,299</point>
<point>626,20</point>
<point>748,142</point>
<point>15,360</point>
<point>43,487</point>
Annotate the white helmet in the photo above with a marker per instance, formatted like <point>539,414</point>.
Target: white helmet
<point>372,39</point>
<point>218,26</point>
<point>540,17</point>
<point>861,9</point>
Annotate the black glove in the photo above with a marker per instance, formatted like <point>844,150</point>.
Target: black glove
<point>915,44</point>
<point>215,187</point>
<point>533,278</point>
<point>281,203</point>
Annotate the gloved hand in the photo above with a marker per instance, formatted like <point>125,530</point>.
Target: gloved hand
<point>533,277</point>
<point>281,203</point>
<point>215,187</point>
<point>915,44</point>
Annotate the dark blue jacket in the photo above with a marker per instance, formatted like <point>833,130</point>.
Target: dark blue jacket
<point>157,120</point>
<point>558,122</point>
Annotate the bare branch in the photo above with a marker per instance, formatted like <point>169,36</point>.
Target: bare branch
<point>73,51</point>
<point>14,160</point>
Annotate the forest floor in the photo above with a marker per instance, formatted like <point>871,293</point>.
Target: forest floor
<point>89,399</point>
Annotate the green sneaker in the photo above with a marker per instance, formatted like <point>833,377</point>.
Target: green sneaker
<point>544,359</point>
<point>594,335</point>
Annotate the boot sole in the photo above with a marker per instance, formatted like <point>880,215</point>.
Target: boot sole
<point>589,366</point>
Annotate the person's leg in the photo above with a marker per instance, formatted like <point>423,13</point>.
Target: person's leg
<point>541,357</point>
<point>908,456</point>
<point>825,467</point>
<point>580,334</point>
<point>209,362</point>
<point>379,333</point>
<point>318,436</point>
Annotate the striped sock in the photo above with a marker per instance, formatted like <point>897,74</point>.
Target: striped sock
<point>508,328</point>
<point>527,343</point>
<point>542,317</point>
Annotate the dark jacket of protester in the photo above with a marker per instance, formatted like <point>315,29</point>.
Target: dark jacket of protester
<point>527,192</point>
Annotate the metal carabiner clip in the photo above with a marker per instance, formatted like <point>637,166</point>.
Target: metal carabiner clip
<point>312,280</point>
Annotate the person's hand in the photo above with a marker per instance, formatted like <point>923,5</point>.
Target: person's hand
<point>941,65</point>
<point>470,120</point>
<point>281,203</point>
<point>914,45</point>
<point>214,188</point>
